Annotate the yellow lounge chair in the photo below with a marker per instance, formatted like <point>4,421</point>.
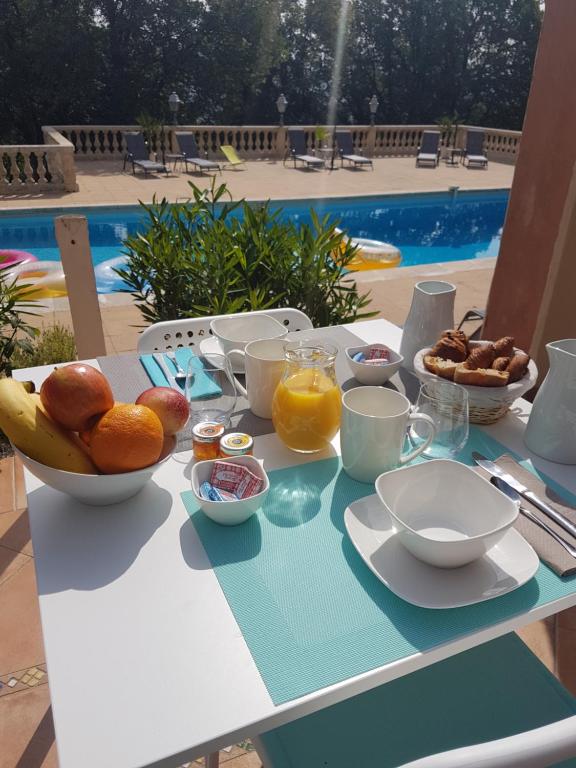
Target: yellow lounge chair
<point>231,156</point>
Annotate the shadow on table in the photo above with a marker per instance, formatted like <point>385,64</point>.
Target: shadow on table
<point>205,544</point>
<point>86,547</point>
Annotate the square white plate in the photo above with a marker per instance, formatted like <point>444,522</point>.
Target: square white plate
<point>505,567</point>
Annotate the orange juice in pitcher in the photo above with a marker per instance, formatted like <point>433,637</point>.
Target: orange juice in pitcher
<point>307,402</point>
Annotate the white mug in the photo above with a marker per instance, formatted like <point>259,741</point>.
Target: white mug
<point>264,365</point>
<point>373,430</point>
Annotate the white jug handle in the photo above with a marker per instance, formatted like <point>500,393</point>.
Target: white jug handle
<point>237,384</point>
<point>431,435</point>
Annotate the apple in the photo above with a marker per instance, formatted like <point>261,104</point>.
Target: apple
<point>73,395</point>
<point>170,406</point>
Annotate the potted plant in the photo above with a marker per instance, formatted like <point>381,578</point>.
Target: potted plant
<point>321,134</point>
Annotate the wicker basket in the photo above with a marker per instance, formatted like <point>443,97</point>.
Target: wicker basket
<point>486,404</point>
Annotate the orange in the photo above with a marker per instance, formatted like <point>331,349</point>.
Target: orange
<point>127,437</point>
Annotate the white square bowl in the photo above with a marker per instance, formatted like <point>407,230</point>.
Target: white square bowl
<point>444,513</point>
<point>229,512</point>
<point>373,375</point>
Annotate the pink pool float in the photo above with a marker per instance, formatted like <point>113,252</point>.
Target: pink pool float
<point>8,257</point>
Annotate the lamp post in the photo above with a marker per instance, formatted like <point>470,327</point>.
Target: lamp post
<point>281,104</point>
<point>373,105</point>
<point>174,104</point>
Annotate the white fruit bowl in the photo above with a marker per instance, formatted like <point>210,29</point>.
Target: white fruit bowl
<point>96,490</point>
<point>444,513</point>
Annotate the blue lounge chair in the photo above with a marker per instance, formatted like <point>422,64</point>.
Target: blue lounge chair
<point>137,154</point>
<point>474,152</point>
<point>497,697</point>
<point>191,154</point>
<point>298,152</point>
<point>346,151</point>
<point>429,151</point>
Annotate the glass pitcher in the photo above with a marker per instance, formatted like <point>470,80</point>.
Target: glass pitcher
<point>307,403</point>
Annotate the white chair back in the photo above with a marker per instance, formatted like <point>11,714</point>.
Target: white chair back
<point>190,332</point>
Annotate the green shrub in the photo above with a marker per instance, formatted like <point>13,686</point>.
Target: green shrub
<point>200,258</point>
<point>15,333</point>
<point>54,345</point>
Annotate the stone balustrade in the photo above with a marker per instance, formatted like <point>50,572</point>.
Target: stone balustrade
<point>40,167</point>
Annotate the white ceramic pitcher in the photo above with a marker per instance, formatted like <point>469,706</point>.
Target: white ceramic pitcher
<point>431,312</point>
<point>551,430</point>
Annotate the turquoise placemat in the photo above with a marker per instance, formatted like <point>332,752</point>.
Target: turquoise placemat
<point>310,611</point>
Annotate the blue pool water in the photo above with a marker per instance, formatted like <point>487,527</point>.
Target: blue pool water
<point>428,228</point>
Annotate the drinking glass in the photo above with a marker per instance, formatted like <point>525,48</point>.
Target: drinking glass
<point>447,405</point>
<point>210,389</point>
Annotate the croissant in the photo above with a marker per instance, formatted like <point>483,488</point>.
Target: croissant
<point>481,357</point>
<point>504,347</point>
<point>449,349</point>
<point>518,366</point>
<point>500,364</point>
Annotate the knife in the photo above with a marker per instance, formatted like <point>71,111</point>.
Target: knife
<point>158,357</point>
<point>526,493</point>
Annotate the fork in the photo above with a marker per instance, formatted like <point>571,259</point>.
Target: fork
<point>180,372</point>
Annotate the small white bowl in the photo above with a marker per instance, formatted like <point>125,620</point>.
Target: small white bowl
<point>444,513</point>
<point>229,512</point>
<point>96,490</point>
<point>373,374</point>
<point>235,332</point>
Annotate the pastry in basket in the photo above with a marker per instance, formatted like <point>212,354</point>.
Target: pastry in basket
<point>480,377</point>
<point>518,366</point>
<point>441,367</point>
<point>450,349</point>
<point>481,357</point>
<point>504,347</point>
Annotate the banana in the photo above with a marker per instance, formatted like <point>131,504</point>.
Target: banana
<point>34,433</point>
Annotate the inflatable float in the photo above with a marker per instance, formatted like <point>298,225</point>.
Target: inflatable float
<point>106,279</point>
<point>9,257</point>
<point>371,254</point>
<point>45,279</point>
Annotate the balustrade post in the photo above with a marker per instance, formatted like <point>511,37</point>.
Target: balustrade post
<point>74,245</point>
<point>371,141</point>
<point>281,139</point>
<point>68,166</point>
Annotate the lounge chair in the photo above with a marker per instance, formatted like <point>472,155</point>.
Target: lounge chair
<point>231,155</point>
<point>297,150</point>
<point>191,153</point>
<point>346,150</point>
<point>429,151</point>
<point>474,152</point>
<point>137,154</point>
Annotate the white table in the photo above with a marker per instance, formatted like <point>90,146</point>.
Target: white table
<point>147,665</point>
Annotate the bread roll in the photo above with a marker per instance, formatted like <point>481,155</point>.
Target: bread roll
<point>443,368</point>
<point>481,356</point>
<point>504,347</point>
<point>480,377</point>
<point>500,364</point>
<point>449,349</point>
<point>518,366</point>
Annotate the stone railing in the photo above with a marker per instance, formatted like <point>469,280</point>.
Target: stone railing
<point>40,167</point>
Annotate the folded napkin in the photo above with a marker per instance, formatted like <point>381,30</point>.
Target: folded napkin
<point>203,385</point>
<point>548,550</point>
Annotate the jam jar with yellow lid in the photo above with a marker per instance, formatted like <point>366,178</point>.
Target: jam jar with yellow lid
<point>236,444</point>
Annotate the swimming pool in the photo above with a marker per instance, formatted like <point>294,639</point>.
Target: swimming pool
<point>428,228</point>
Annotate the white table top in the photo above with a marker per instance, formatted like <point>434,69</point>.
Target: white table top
<point>147,665</point>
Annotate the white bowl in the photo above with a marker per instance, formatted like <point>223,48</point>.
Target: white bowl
<point>235,332</point>
<point>96,490</point>
<point>373,374</point>
<point>444,513</point>
<point>229,512</point>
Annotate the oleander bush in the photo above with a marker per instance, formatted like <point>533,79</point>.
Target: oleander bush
<point>213,256</point>
<point>16,334</point>
<point>54,344</point>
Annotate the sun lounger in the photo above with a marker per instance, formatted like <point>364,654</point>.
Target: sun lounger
<point>137,154</point>
<point>231,155</point>
<point>429,151</point>
<point>297,150</point>
<point>346,150</point>
<point>191,153</point>
<point>474,152</point>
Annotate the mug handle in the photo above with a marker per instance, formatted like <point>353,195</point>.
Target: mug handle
<point>237,384</point>
<point>431,435</point>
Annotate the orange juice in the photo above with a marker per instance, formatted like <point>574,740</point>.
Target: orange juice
<point>306,410</point>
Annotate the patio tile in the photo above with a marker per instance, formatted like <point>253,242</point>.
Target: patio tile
<point>11,561</point>
<point>15,531</point>
<point>566,657</point>
<point>22,646</point>
<point>540,637</point>
<point>27,731</point>
<point>12,488</point>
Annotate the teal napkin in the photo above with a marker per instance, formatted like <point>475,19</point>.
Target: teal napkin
<point>203,386</point>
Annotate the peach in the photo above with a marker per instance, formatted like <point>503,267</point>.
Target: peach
<point>170,406</point>
<point>73,395</point>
